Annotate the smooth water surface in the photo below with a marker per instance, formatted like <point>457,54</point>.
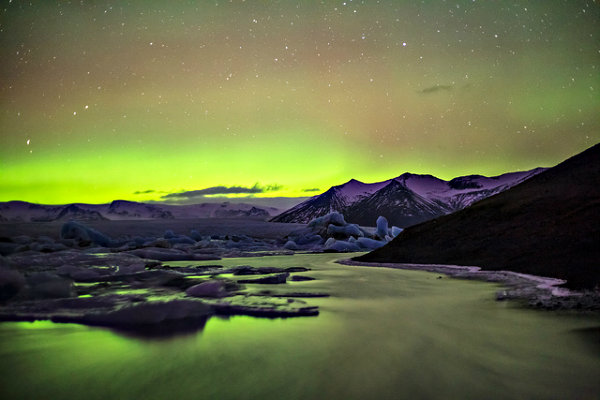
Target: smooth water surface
<point>384,334</point>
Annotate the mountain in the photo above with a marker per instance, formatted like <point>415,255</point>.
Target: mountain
<point>220,210</point>
<point>400,205</point>
<point>20,211</point>
<point>337,198</point>
<point>548,225</point>
<point>122,209</point>
<point>405,200</point>
<point>74,211</point>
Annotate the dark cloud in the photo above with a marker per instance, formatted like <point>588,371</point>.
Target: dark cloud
<point>311,190</point>
<point>144,191</point>
<point>436,88</point>
<point>272,188</point>
<point>222,190</point>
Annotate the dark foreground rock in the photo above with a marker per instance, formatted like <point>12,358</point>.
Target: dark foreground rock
<point>86,276</point>
<point>141,298</point>
<point>301,278</point>
<point>144,314</point>
<point>213,288</point>
<point>274,279</point>
<point>248,270</point>
<point>261,307</point>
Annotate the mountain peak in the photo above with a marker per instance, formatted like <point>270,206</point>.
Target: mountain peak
<point>394,183</point>
<point>122,202</point>
<point>408,175</point>
<point>351,183</point>
<point>542,226</point>
<point>404,200</point>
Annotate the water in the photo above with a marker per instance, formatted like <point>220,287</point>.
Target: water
<point>384,334</point>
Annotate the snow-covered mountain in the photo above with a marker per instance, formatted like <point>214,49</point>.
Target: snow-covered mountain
<point>337,198</point>
<point>20,211</point>
<point>405,200</point>
<point>123,209</point>
<point>220,210</point>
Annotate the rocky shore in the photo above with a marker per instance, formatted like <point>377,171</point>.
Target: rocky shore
<point>534,291</point>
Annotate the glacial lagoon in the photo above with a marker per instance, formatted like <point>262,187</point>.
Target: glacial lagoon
<point>383,334</point>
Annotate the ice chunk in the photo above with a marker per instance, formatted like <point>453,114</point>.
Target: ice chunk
<point>47,247</point>
<point>150,313</point>
<point>369,244</point>
<point>290,245</point>
<point>182,239</point>
<point>329,242</point>
<point>11,283</point>
<point>78,273</point>
<point>160,242</point>
<point>273,279</point>
<point>308,239</point>
<point>84,235</point>
<point>45,239</point>
<point>382,227</point>
<point>194,234</point>
<point>344,231</point>
<point>132,268</point>
<point>46,285</point>
<point>170,255</point>
<point>396,231</point>
<point>214,288</point>
<point>334,218</point>
<point>341,245</point>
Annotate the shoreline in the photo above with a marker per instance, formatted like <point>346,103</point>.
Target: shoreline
<point>535,291</point>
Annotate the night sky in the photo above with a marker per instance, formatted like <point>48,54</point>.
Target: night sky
<point>145,100</point>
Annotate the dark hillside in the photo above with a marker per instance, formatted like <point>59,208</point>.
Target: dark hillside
<point>548,225</point>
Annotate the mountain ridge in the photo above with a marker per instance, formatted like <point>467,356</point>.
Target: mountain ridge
<point>416,198</point>
<point>22,211</point>
<point>547,225</point>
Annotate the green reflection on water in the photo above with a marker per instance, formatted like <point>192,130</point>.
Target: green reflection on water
<point>383,334</point>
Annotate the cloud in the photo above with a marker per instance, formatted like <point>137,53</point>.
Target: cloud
<point>436,88</point>
<point>272,188</point>
<point>144,191</point>
<point>311,190</point>
<point>222,190</point>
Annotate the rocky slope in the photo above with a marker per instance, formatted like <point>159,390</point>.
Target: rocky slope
<point>548,226</point>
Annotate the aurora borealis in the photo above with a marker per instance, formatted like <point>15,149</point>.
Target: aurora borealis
<point>138,100</point>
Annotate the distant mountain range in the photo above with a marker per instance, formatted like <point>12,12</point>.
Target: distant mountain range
<point>406,200</point>
<point>548,226</point>
<point>20,211</point>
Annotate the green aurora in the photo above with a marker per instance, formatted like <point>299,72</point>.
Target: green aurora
<point>136,100</point>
